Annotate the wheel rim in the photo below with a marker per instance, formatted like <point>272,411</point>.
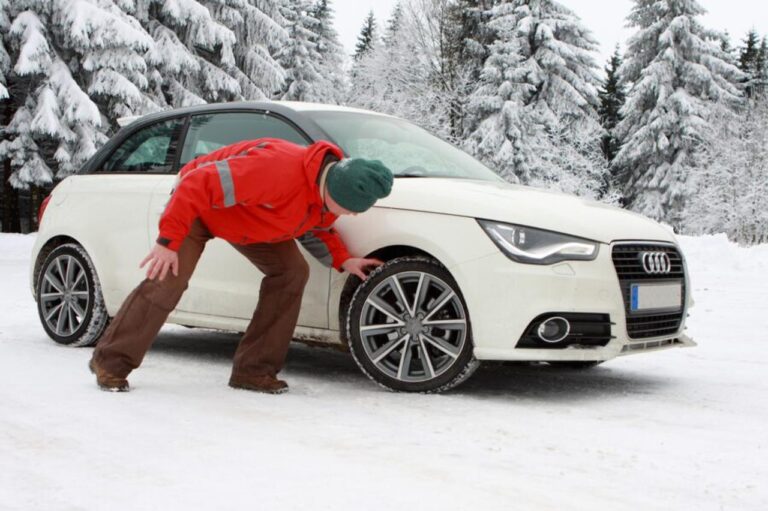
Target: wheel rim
<point>413,326</point>
<point>64,296</point>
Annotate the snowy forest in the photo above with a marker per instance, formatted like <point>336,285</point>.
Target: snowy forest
<point>674,126</point>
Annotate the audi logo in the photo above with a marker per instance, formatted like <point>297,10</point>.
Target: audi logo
<point>656,263</point>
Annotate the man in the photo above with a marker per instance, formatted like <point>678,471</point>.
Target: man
<point>258,195</point>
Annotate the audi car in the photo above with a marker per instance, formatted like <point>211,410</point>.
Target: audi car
<point>476,269</point>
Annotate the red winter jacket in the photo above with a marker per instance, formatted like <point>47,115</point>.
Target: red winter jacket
<point>263,190</point>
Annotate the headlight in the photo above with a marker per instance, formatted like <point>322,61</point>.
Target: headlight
<point>535,246</point>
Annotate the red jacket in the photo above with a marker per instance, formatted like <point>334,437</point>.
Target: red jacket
<point>263,190</point>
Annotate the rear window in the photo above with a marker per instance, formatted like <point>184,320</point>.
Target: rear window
<point>209,132</point>
<point>151,149</point>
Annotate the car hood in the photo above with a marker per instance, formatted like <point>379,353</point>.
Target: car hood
<point>533,207</point>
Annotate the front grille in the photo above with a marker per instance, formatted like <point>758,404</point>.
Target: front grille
<point>587,331</point>
<point>629,269</point>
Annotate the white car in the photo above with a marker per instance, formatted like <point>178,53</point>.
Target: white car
<point>476,268</point>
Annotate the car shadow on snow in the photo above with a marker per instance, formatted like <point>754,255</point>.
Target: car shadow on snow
<point>516,381</point>
<point>540,381</point>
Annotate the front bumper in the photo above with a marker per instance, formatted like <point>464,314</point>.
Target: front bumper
<point>503,297</point>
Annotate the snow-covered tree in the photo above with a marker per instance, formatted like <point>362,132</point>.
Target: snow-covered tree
<point>368,37</point>
<point>502,135</point>
<point>753,63</point>
<point>192,59</point>
<point>466,43</point>
<point>331,86</point>
<point>679,77</point>
<point>300,57</point>
<point>537,101</point>
<point>393,25</point>
<point>68,59</point>
<point>730,192</point>
<point>407,78</point>
<point>558,51</point>
<point>260,32</point>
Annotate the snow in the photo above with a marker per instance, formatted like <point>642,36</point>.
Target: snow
<point>679,429</point>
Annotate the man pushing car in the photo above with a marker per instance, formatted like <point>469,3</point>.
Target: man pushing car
<point>259,195</point>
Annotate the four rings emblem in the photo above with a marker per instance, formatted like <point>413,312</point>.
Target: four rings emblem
<point>656,263</point>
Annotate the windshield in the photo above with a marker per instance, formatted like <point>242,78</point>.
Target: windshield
<point>406,149</point>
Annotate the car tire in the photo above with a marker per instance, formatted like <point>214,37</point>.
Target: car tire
<point>69,298</point>
<point>397,327</point>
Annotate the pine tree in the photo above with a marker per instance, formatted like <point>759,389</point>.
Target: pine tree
<point>727,48</point>
<point>750,62</point>
<point>762,67</point>
<point>679,78</point>
<point>558,60</point>
<point>260,32</point>
<point>368,37</point>
<point>393,25</point>
<point>500,135</point>
<point>300,57</point>
<point>612,96</point>
<point>192,54</point>
<point>557,125</point>
<point>331,87</point>
<point>520,136</point>
<point>467,42</point>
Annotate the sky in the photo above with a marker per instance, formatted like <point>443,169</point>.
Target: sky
<point>606,18</point>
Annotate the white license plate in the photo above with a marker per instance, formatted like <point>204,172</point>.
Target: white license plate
<point>656,297</point>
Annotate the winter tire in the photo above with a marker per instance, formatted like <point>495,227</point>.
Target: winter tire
<point>408,327</point>
<point>69,299</point>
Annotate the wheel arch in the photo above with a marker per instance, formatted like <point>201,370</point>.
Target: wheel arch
<point>48,247</point>
<point>385,254</point>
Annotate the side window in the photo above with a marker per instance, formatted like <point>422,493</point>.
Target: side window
<point>151,149</point>
<point>209,132</point>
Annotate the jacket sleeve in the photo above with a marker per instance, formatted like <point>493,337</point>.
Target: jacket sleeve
<point>216,180</point>
<point>325,244</point>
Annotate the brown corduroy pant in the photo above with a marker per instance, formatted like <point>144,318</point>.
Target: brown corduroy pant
<point>263,347</point>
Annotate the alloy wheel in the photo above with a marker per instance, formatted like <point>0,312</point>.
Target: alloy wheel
<point>413,326</point>
<point>65,295</point>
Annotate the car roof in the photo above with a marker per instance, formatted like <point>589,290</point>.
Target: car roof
<point>280,107</point>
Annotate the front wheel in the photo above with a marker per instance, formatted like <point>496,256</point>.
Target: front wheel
<point>69,300</point>
<point>408,327</point>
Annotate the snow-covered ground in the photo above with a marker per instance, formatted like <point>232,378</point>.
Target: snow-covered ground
<point>679,429</point>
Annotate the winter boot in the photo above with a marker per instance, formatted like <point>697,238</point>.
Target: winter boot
<point>106,381</point>
<point>260,383</point>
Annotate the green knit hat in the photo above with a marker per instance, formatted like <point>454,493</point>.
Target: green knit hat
<point>356,184</point>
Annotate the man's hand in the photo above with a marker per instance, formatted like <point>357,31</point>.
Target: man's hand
<point>355,265</point>
<point>160,260</point>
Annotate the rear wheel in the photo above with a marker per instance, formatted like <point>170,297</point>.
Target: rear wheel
<point>408,327</point>
<point>69,300</point>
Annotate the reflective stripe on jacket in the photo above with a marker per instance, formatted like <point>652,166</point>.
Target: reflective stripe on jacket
<point>258,191</point>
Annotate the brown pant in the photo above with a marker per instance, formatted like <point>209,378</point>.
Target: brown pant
<point>263,347</point>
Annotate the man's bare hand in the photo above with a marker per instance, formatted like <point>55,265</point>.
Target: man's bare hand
<point>355,265</point>
<point>160,260</point>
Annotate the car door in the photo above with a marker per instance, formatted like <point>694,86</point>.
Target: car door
<point>111,204</point>
<point>225,283</point>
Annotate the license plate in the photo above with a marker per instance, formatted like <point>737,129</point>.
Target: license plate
<point>666,296</point>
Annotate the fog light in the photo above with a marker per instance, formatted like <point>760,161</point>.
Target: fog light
<point>554,329</point>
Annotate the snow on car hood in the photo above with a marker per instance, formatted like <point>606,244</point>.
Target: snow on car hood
<point>533,207</point>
